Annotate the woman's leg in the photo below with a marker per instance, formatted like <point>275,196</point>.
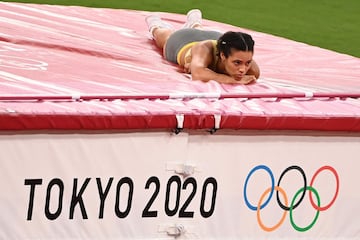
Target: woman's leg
<point>193,19</point>
<point>159,29</point>
<point>161,35</point>
<point>162,32</point>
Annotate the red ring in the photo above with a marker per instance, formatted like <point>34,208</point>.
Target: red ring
<point>337,188</point>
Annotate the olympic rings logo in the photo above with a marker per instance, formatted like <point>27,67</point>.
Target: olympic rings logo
<point>285,206</point>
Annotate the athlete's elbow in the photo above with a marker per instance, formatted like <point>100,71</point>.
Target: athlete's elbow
<point>196,76</point>
<point>257,74</point>
<point>200,74</point>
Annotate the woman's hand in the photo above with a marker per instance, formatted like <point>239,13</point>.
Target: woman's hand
<point>247,79</point>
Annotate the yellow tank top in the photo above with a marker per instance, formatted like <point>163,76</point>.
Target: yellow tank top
<point>188,53</point>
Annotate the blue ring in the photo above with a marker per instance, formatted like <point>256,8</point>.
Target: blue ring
<point>254,208</point>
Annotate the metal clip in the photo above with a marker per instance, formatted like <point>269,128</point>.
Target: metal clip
<point>217,121</point>
<point>180,123</point>
<point>175,231</point>
<point>181,169</point>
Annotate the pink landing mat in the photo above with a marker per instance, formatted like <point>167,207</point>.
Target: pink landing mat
<point>98,69</point>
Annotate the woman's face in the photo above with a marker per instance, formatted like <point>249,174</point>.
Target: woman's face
<point>237,64</point>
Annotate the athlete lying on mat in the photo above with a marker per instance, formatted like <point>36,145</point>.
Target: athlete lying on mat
<point>207,55</point>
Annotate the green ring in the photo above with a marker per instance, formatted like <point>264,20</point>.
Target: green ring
<point>291,210</point>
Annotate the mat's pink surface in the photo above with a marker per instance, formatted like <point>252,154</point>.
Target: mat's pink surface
<point>77,51</point>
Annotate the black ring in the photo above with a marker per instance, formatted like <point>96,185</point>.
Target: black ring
<point>303,194</point>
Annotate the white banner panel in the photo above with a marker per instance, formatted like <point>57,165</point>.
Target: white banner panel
<point>190,186</point>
